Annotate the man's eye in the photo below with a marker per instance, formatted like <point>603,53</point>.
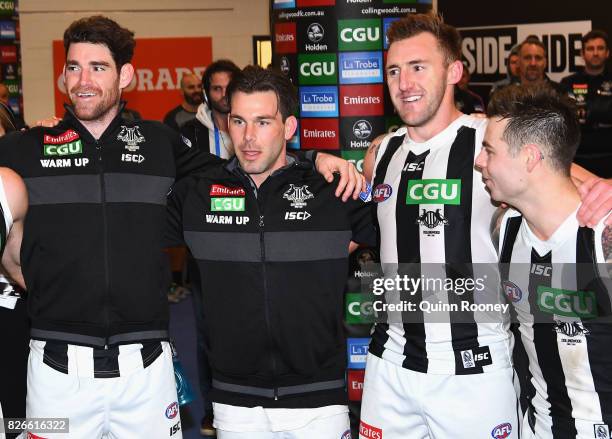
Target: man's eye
<point>392,72</point>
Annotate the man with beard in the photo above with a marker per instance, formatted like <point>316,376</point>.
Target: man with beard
<point>191,90</point>
<point>208,131</point>
<point>92,248</point>
<point>591,88</point>
<point>427,378</point>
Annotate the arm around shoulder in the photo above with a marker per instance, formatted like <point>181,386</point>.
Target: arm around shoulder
<point>17,197</point>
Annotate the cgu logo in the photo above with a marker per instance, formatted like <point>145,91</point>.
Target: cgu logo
<point>581,304</point>
<point>65,149</point>
<point>360,34</point>
<point>318,69</point>
<point>434,192</point>
<point>229,204</point>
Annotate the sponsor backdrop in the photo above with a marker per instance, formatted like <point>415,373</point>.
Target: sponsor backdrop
<point>154,89</point>
<point>333,51</point>
<point>489,32</point>
<point>10,56</point>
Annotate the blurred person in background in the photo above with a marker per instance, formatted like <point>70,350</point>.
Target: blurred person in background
<point>191,90</point>
<point>591,89</point>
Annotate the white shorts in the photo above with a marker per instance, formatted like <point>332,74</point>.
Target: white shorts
<point>139,404</point>
<point>400,403</point>
<point>330,427</point>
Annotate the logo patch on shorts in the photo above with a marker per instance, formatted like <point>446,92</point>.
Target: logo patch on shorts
<point>172,410</point>
<point>501,431</point>
<point>369,432</point>
<point>601,431</point>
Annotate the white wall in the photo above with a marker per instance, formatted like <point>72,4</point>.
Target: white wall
<point>231,24</point>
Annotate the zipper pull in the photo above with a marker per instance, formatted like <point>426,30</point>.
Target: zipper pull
<point>275,394</point>
<point>261,221</point>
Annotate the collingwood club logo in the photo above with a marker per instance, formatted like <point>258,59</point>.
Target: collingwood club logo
<point>602,431</point>
<point>315,32</point>
<point>571,329</point>
<point>131,137</point>
<point>284,65</point>
<point>431,219</point>
<point>298,195</point>
<point>468,359</point>
<point>362,129</point>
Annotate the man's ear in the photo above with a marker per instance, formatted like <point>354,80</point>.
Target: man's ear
<point>533,156</point>
<point>290,127</point>
<point>125,75</point>
<point>454,72</point>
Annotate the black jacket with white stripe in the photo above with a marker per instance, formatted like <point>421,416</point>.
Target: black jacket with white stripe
<point>273,264</point>
<point>93,238</point>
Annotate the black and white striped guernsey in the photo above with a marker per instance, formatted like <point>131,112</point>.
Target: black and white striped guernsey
<point>559,289</point>
<point>432,207</point>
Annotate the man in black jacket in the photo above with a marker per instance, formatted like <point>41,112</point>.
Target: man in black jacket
<point>591,88</point>
<point>271,243</point>
<point>92,248</point>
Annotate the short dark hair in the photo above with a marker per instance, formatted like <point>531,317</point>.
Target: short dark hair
<point>532,39</point>
<point>448,37</point>
<point>253,79</point>
<point>221,65</point>
<point>595,33</point>
<point>538,114</point>
<point>98,29</point>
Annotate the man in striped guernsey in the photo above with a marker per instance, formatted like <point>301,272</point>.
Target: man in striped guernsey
<point>432,207</point>
<point>554,271</point>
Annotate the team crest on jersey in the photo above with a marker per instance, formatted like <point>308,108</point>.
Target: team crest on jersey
<point>571,329</point>
<point>346,435</point>
<point>601,431</point>
<point>131,136</point>
<point>298,195</point>
<point>431,219</point>
<point>382,192</point>
<point>468,359</point>
<point>501,431</point>
<point>512,291</point>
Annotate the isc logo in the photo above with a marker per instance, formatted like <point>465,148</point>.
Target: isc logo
<point>481,357</point>
<point>411,167</point>
<point>303,216</point>
<point>541,270</point>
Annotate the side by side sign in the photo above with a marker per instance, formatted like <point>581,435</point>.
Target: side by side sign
<point>486,48</point>
<point>159,65</point>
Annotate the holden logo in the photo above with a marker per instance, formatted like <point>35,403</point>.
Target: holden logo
<point>362,129</point>
<point>315,32</point>
<point>284,65</point>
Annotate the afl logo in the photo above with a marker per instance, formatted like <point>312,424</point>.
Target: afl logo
<point>346,435</point>
<point>512,292</point>
<point>172,410</point>
<point>382,192</point>
<point>502,431</point>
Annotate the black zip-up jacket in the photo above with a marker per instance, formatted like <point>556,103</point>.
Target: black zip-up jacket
<point>273,264</point>
<point>593,94</point>
<point>93,237</point>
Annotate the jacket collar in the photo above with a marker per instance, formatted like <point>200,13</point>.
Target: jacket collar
<point>73,120</point>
